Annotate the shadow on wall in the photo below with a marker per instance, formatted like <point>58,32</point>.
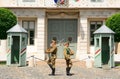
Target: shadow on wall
<point>82,34</point>
<point>117,48</point>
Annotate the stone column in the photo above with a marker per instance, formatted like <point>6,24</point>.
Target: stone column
<point>3,50</point>
<point>82,38</point>
<point>40,42</point>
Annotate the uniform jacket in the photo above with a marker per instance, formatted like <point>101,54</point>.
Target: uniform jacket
<point>52,51</point>
<point>67,53</point>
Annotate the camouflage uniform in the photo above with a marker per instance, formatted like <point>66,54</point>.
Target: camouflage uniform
<point>67,54</point>
<point>52,57</point>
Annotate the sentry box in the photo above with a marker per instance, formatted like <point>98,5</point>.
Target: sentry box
<point>104,47</point>
<point>16,46</point>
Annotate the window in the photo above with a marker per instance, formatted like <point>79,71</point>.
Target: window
<point>8,41</point>
<point>28,0</point>
<point>96,0</point>
<point>30,27</point>
<point>94,25</point>
<point>97,41</point>
<point>112,41</point>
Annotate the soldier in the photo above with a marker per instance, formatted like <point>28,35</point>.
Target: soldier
<point>67,53</point>
<point>52,56</point>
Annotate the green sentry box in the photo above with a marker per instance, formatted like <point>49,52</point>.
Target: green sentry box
<point>104,47</point>
<point>16,46</point>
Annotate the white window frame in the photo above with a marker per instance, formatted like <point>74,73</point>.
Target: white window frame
<point>28,0</point>
<point>96,0</point>
<point>28,3</point>
<point>94,29</point>
<point>30,30</point>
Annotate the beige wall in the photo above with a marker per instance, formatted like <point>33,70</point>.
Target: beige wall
<point>40,16</point>
<point>51,4</point>
<point>3,50</point>
<point>117,48</point>
<point>84,48</point>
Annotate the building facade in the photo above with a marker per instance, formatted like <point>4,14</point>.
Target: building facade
<point>65,20</point>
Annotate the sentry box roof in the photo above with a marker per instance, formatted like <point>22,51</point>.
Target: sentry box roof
<point>104,30</point>
<point>17,28</point>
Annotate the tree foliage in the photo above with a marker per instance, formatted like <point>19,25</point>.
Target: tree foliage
<point>7,20</point>
<point>113,22</point>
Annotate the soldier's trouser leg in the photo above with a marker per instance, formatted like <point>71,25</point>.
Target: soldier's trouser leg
<point>69,65</point>
<point>51,64</point>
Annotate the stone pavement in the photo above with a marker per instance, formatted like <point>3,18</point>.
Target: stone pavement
<point>42,70</point>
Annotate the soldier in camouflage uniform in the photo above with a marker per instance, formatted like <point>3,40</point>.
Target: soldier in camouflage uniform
<point>67,53</point>
<point>52,51</point>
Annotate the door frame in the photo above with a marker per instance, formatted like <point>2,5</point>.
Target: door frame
<point>58,14</point>
<point>74,32</point>
<point>46,32</point>
<point>108,57</point>
<point>18,50</point>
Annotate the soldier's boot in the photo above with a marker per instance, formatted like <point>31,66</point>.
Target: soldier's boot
<point>53,71</point>
<point>50,68</point>
<point>68,71</point>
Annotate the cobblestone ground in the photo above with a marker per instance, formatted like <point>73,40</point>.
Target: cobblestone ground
<point>42,70</point>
